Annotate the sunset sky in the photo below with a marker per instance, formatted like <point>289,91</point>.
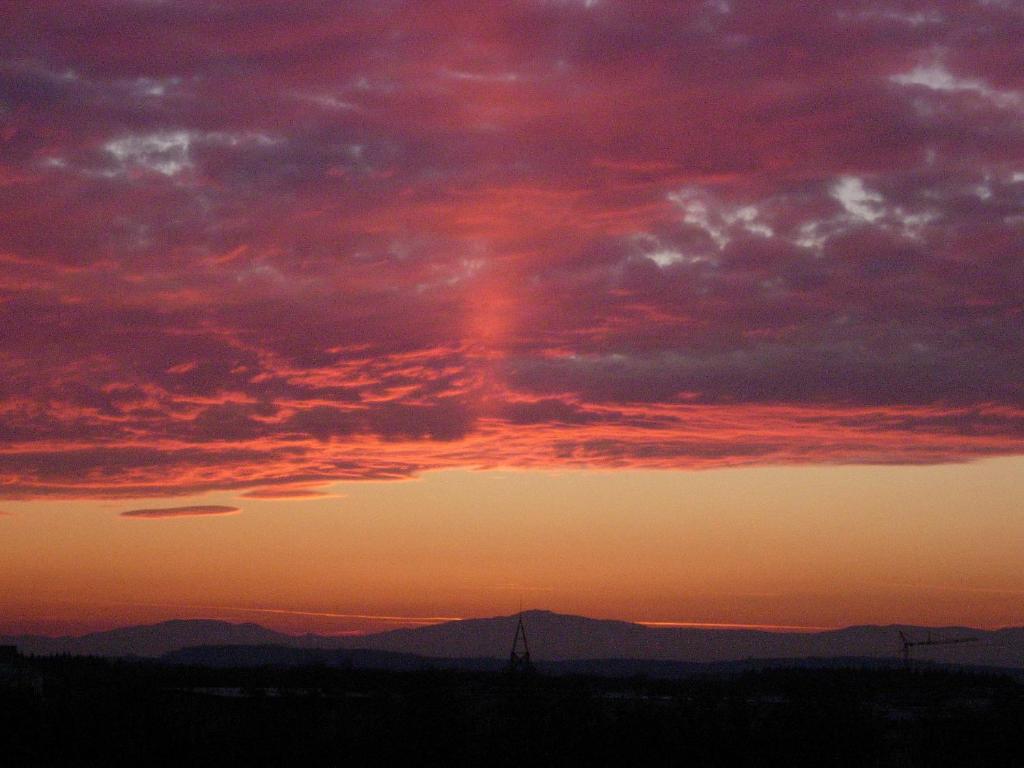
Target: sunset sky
<point>341,316</point>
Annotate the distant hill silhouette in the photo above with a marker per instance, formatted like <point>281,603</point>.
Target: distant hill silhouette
<point>554,637</point>
<point>559,637</point>
<point>224,656</point>
<point>157,639</point>
<point>276,656</point>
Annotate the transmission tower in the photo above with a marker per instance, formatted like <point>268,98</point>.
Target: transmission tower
<point>519,660</point>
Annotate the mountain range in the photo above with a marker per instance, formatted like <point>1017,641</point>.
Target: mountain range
<point>554,637</point>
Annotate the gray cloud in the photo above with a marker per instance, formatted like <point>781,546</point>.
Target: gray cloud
<point>173,512</point>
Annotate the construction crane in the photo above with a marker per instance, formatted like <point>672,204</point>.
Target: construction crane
<point>908,643</point>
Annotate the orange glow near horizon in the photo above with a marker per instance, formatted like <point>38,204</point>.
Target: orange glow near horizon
<point>775,548</point>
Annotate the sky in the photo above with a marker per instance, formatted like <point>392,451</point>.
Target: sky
<point>349,315</point>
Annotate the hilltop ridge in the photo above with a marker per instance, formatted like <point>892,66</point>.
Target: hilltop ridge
<point>553,637</point>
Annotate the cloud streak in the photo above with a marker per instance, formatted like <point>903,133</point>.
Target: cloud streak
<point>163,513</point>
<point>287,244</point>
<point>293,494</point>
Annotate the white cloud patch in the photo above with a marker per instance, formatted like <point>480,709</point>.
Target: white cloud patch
<point>170,152</point>
<point>912,224</point>
<point>481,77</point>
<point>152,87</point>
<point>859,205</point>
<point>721,222</point>
<point>328,101</point>
<point>166,153</point>
<point>813,235</point>
<point>862,206</point>
<point>936,77</point>
<point>696,212</point>
<point>665,255</point>
<point>748,217</point>
<point>915,19</point>
<point>857,200</point>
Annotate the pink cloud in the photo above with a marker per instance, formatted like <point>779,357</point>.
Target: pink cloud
<point>289,243</point>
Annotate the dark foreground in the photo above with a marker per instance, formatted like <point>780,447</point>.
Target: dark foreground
<point>64,711</point>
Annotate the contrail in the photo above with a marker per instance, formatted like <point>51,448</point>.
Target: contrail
<point>393,619</point>
<point>293,612</point>
<point>721,625</point>
<point>439,619</point>
<point>332,615</point>
<point>954,588</point>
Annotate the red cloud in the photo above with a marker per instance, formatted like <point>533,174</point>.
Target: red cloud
<point>290,243</point>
